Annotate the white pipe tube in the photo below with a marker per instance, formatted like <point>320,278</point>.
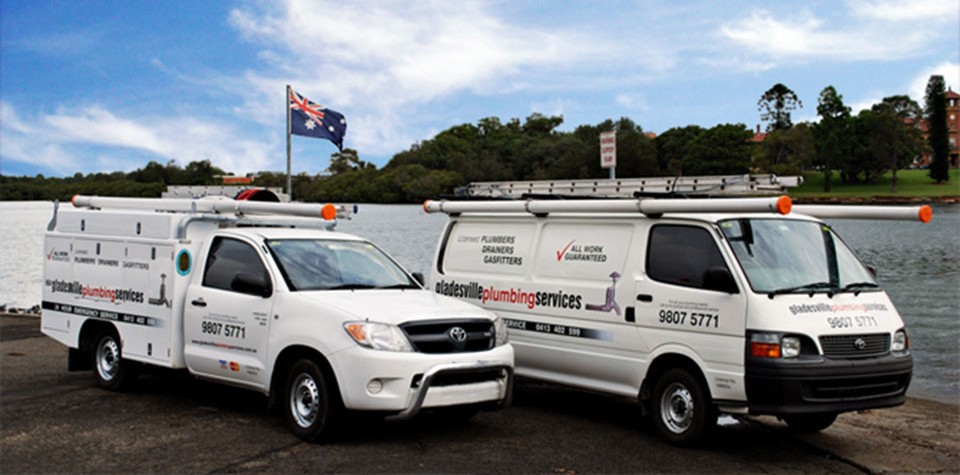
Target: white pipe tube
<point>209,205</point>
<point>780,205</point>
<point>909,213</point>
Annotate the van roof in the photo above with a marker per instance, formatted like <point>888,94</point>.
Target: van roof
<point>291,233</point>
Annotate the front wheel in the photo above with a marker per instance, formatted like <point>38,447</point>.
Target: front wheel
<point>809,423</point>
<point>109,368</point>
<point>682,411</point>
<point>312,408</point>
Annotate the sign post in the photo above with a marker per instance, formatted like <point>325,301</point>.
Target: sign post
<point>608,152</point>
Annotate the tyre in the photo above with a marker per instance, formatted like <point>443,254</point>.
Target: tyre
<point>109,368</point>
<point>311,406</point>
<point>682,410</point>
<point>809,423</point>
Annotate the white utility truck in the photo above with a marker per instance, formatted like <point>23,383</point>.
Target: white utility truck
<point>258,296</point>
<point>691,306</point>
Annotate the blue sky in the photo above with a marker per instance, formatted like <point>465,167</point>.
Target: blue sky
<point>89,86</point>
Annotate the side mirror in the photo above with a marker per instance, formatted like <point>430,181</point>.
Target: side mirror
<point>720,280</point>
<point>253,284</point>
<point>419,278</point>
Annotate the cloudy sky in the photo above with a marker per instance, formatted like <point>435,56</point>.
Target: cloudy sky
<point>111,85</point>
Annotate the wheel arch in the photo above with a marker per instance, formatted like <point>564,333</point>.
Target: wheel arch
<point>664,362</point>
<point>78,359</point>
<point>287,358</point>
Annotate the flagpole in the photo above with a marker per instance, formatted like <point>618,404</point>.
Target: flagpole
<point>289,180</point>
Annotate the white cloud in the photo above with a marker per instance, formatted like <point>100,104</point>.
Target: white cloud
<point>118,142</point>
<point>633,102</point>
<point>951,76</point>
<point>909,11</point>
<point>380,62</point>
<point>805,36</point>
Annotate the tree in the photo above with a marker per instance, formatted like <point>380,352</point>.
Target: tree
<point>775,106</point>
<point>347,160</point>
<point>935,112</point>
<point>672,147</point>
<point>901,141</point>
<point>786,152</point>
<point>831,133</point>
<point>721,150</point>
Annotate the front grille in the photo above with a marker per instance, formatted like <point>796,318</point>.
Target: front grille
<point>855,346</point>
<point>450,336</point>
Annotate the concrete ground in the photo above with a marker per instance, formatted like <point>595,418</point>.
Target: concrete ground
<point>53,421</point>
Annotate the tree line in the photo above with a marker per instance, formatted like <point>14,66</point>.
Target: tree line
<point>846,148</point>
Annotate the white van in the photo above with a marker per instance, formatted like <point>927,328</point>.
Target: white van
<point>692,306</point>
<point>251,295</point>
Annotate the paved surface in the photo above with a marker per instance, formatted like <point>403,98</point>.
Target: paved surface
<point>54,421</point>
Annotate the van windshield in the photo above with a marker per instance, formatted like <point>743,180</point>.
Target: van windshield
<point>320,264</point>
<point>782,256</point>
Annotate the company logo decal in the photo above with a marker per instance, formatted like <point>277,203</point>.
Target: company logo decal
<point>101,314</point>
<point>457,335</point>
<point>581,252</point>
<point>830,308</point>
<point>611,302</point>
<point>58,256</point>
<point>517,296</point>
<point>561,330</point>
<point>95,292</point>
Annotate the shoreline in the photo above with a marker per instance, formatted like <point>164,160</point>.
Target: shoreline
<point>876,200</point>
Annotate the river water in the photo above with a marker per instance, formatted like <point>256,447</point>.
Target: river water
<point>918,265</point>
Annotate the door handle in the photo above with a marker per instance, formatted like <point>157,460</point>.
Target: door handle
<point>198,303</point>
<point>645,297</point>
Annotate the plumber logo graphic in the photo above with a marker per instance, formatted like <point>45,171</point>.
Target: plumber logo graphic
<point>611,303</point>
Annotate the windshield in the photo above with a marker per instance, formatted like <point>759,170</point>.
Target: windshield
<point>785,256</point>
<point>319,264</point>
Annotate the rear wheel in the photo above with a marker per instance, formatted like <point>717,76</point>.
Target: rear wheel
<point>312,409</point>
<point>109,368</point>
<point>809,423</point>
<point>682,411</point>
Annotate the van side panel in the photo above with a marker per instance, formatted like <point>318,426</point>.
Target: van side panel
<point>99,266</point>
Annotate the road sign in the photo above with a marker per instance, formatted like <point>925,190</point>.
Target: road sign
<point>608,149</point>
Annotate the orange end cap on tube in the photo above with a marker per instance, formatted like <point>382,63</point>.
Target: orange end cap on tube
<point>784,204</point>
<point>926,214</point>
<point>328,212</point>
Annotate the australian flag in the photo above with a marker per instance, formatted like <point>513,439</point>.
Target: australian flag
<point>313,120</point>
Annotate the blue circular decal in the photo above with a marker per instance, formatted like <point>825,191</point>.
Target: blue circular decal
<point>184,262</point>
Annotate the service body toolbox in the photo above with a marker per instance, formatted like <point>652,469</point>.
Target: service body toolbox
<point>250,294</point>
<point>692,306</point>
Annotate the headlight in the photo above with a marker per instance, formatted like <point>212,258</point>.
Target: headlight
<point>900,342</point>
<point>500,330</point>
<point>790,347</point>
<point>378,336</point>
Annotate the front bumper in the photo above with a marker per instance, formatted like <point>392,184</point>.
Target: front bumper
<point>827,385</point>
<point>412,381</point>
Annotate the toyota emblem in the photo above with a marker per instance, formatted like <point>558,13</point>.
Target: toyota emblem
<point>457,334</point>
<point>860,344</point>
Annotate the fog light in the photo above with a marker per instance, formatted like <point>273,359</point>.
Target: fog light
<point>790,347</point>
<point>374,386</point>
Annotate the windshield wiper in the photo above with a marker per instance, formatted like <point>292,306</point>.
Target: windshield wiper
<point>856,287</point>
<point>351,287</point>
<point>810,288</point>
<point>399,286</point>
